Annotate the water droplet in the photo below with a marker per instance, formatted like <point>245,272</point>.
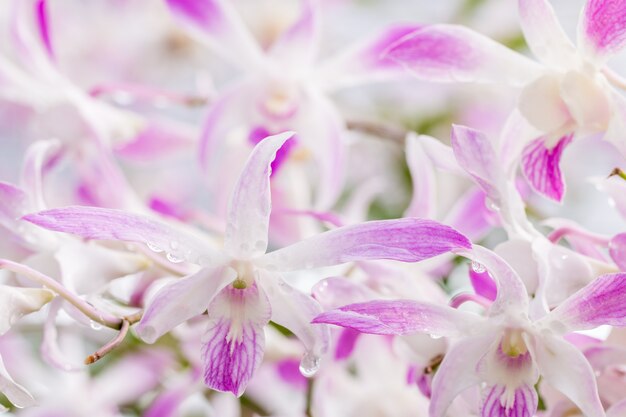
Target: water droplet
<point>95,325</point>
<point>492,205</point>
<point>435,336</point>
<point>309,365</point>
<point>173,258</point>
<point>153,247</point>
<point>478,267</point>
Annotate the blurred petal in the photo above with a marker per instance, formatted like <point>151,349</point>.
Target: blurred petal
<point>406,240</point>
<point>423,202</point>
<point>50,350</point>
<point>541,166</point>
<point>399,317</point>
<point>450,53</point>
<point>603,301</point>
<point>476,155</point>
<point>544,34</point>
<point>617,250</point>
<point>183,299</point>
<point>297,46</point>
<point>17,302</point>
<point>13,204</point>
<point>457,372</point>
<point>565,368</point>
<point>38,156</point>
<point>218,23</point>
<point>234,341</point>
<point>365,62</point>
<point>14,392</point>
<point>249,210</point>
<point>602,29</point>
<point>110,224</point>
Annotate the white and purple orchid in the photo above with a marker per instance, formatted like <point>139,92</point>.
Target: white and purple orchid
<point>504,352</point>
<point>241,287</point>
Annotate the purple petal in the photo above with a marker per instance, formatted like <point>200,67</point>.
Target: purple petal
<point>295,310</point>
<point>259,133</point>
<point>483,284</point>
<point>44,27</point>
<point>181,300</point>
<point>523,404</point>
<point>617,250</point>
<point>234,340</point>
<point>111,224</point>
<point>565,368</point>
<point>544,34</point>
<point>157,140</point>
<point>250,205</point>
<point>602,30</point>
<point>406,240</point>
<point>449,53</point>
<point>364,62</point>
<point>345,343</point>
<point>50,350</point>
<point>457,372</point>
<point>541,166</point>
<point>476,155</point>
<point>470,215</point>
<point>398,317</point>
<point>218,23</point>
<point>603,301</point>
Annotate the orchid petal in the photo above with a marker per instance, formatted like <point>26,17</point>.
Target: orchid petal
<point>218,23</point>
<point>13,204</point>
<point>365,62</point>
<point>234,340</point>
<point>110,224</point>
<point>406,240</point>
<point>617,409</point>
<point>297,46</point>
<point>44,27</point>
<point>470,215</point>
<point>602,301</point>
<point>450,53</point>
<point>185,298</point>
<point>602,29</point>
<point>476,155</point>
<point>457,372</point>
<point>617,250</point>
<point>294,310</point>
<point>617,125</point>
<point>249,210</point>
<point>399,317</point>
<point>37,157</point>
<point>17,302</point>
<point>523,404</point>
<point>346,343</point>
<point>423,178</point>
<point>14,392</point>
<point>565,368</point>
<point>544,34</point>
<point>512,295</point>
<point>50,350</point>
<point>541,166</point>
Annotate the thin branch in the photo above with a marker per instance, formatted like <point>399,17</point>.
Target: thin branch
<point>104,318</point>
<point>381,130</point>
<point>614,78</point>
<point>115,342</point>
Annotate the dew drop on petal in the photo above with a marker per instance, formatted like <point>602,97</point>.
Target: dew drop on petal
<point>435,336</point>
<point>95,325</point>
<point>478,267</point>
<point>492,205</point>
<point>173,258</point>
<point>309,365</point>
<point>153,247</point>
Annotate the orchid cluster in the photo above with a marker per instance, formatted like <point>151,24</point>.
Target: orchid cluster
<point>304,208</point>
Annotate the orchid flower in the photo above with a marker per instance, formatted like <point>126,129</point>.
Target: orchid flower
<point>504,352</point>
<point>571,93</point>
<point>241,286</point>
<point>36,80</point>
<point>283,88</point>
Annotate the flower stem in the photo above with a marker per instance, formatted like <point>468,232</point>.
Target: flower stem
<point>115,342</point>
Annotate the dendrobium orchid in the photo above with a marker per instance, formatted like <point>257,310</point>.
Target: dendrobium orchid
<point>571,92</point>
<point>284,88</point>
<point>241,286</point>
<point>505,352</point>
